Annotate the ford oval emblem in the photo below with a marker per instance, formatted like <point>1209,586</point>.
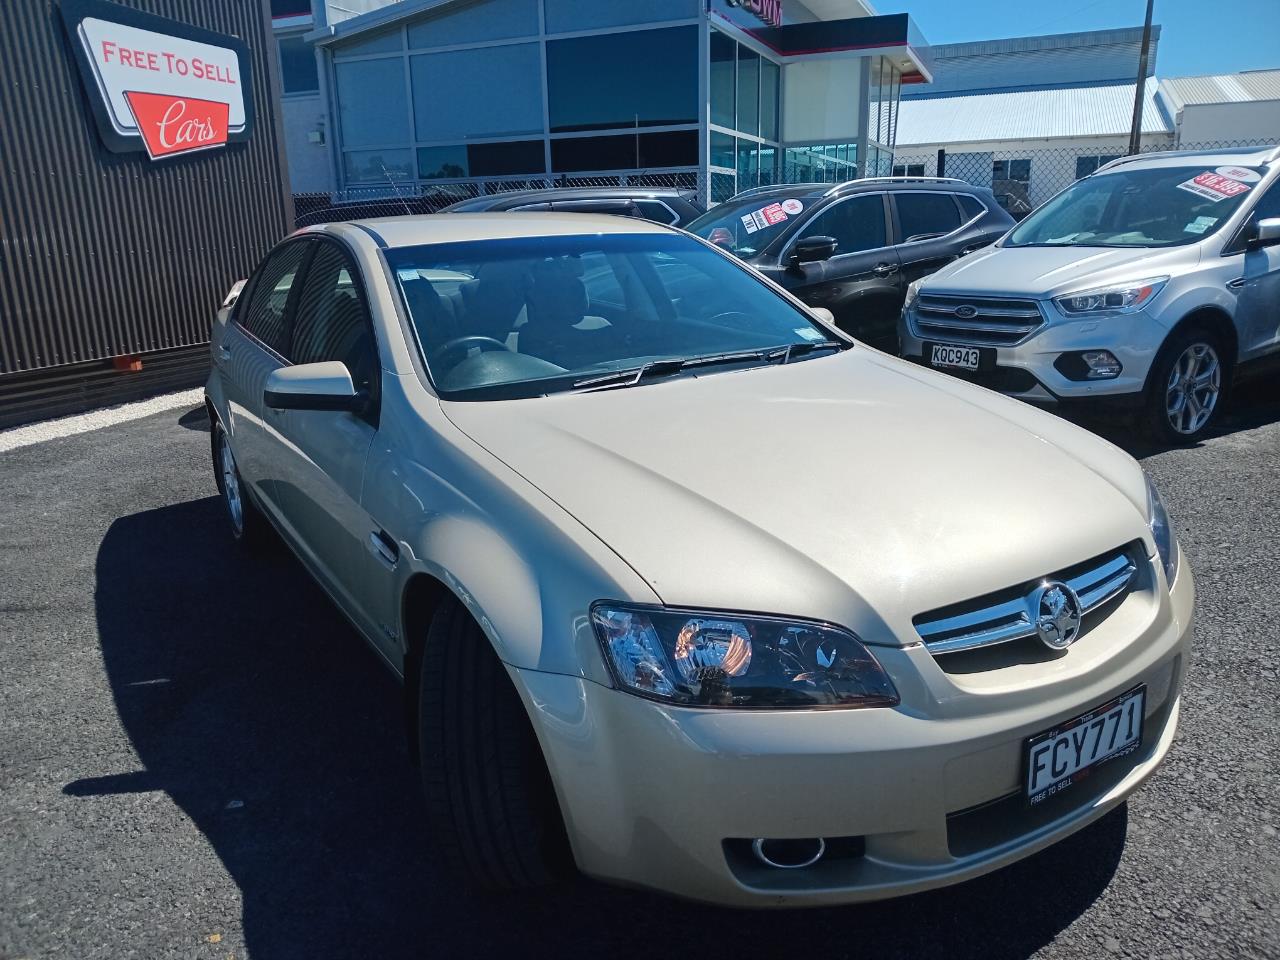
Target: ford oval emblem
<point>966,312</point>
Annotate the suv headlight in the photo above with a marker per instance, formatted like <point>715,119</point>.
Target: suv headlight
<point>1119,298</point>
<point>1162,532</point>
<point>913,291</point>
<point>708,659</point>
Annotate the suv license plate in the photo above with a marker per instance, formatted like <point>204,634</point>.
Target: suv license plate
<point>1064,755</point>
<point>948,355</point>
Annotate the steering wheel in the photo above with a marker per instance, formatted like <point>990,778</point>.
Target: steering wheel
<point>466,343</point>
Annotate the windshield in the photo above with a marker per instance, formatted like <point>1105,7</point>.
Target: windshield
<point>499,319</point>
<point>1152,207</point>
<point>745,227</point>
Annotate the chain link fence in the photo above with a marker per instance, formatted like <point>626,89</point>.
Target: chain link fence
<point>395,199</point>
<point>1021,179</point>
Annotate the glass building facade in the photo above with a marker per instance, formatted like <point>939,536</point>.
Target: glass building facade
<point>608,91</point>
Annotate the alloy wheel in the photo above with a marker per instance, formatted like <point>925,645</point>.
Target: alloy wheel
<point>1195,383</point>
<point>230,483</point>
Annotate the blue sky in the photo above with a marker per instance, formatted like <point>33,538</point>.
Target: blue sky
<point>1196,36</point>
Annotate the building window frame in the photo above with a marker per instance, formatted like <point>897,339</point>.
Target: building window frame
<point>334,56</point>
<point>738,136</point>
<point>280,36</point>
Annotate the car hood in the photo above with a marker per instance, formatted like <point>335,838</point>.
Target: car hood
<point>1052,271</point>
<point>853,488</point>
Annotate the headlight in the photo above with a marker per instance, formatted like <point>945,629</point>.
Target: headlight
<point>913,291</point>
<point>1120,298</point>
<point>1162,532</point>
<point>706,659</point>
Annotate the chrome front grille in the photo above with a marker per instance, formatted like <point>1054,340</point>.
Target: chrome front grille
<point>1009,615</point>
<point>990,321</point>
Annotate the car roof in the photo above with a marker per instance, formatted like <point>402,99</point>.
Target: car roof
<point>1233,156</point>
<point>411,231</point>
<point>810,190</point>
<point>565,193</point>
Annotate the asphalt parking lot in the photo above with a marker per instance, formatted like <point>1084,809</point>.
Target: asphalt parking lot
<point>198,758</point>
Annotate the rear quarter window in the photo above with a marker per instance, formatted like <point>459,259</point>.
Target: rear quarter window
<point>971,206</point>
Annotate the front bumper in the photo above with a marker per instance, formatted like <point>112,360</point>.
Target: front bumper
<point>1027,370</point>
<point>928,790</point>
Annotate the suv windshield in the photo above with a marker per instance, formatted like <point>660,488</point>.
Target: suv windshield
<point>745,227</point>
<point>500,319</point>
<point>1151,207</point>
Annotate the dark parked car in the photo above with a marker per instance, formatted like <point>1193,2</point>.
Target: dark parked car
<point>854,247</point>
<point>669,205</point>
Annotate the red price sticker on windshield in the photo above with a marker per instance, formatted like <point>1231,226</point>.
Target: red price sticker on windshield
<point>774,213</point>
<point>1214,186</point>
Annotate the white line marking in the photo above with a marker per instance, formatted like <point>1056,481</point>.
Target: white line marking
<point>96,419</point>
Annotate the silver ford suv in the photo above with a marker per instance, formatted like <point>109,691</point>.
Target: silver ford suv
<point>1148,284</point>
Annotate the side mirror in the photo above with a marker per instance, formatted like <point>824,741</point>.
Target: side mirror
<point>1265,233</point>
<point>313,386</point>
<point>823,314</point>
<point>813,249</point>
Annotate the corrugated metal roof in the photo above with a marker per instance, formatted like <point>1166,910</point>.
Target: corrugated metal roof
<point>1048,41</point>
<point>1020,63</point>
<point>1222,88</point>
<point>1028,115</point>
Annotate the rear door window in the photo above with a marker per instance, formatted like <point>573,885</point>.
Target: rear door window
<point>264,314</point>
<point>620,207</point>
<point>924,215</point>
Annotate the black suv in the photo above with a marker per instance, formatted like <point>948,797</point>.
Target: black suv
<point>668,205</point>
<point>854,247</point>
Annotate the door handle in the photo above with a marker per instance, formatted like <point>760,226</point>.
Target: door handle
<point>884,269</point>
<point>384,548</point>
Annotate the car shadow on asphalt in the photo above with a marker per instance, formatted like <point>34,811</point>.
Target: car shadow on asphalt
<point>254,705</point>
<point>1254,403</point>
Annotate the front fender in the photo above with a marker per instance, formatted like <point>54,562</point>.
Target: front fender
<point>526,570</point>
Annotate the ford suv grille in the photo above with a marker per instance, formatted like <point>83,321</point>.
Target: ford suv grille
<point>990,321</point>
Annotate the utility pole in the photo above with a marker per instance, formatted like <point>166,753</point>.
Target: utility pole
<point>1140,89</point>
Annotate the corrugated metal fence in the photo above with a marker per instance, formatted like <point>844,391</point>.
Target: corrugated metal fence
<point>105,254</point>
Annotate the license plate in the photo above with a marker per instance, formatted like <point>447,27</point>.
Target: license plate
<point>1065,755</point>
<point>949,355</point>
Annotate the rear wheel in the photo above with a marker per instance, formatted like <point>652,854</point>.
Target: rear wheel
<point>248,526</point>
<point>492,811</point>
<point>1186,387</point>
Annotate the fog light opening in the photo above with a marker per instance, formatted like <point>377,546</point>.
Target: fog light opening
<point>789,854</point>
<point>1102,364</point>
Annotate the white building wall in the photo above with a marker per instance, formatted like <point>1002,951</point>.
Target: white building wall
<point>1053,161</point>
<point>1252,122</point>
<point>821,100</point>
<point>309,169</point>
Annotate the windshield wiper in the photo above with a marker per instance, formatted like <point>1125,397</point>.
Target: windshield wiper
<point>800,349</point>
<point>633,376</point>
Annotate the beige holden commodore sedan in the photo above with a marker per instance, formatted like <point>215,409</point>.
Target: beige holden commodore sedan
<point>685,587</point>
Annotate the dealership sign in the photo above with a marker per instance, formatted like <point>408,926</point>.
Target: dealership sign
<point>770,11</point>
<point>159,85</point>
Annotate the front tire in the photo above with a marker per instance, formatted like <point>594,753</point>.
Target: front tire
<point>492,811</point>
<point>1186,387</point>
